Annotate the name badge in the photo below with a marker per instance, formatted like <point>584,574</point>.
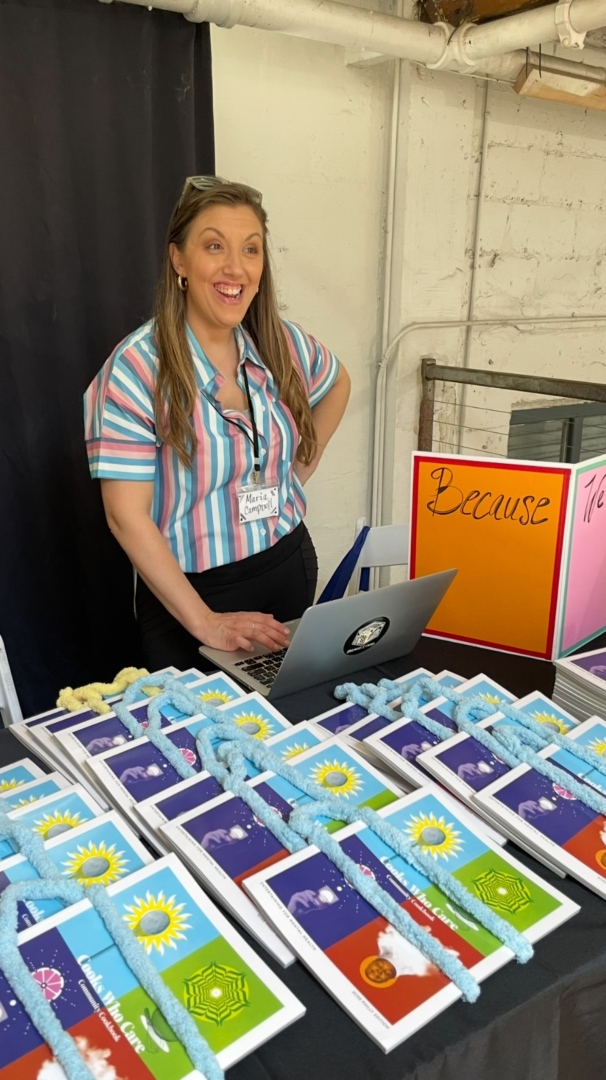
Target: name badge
<point>258,503</point>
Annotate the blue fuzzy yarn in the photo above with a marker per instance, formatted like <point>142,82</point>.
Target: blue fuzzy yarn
<point>515,746</point>
<point>53,886</point>
<point>245,746</point>
<point>177,1016</point>
<point>20,978</point>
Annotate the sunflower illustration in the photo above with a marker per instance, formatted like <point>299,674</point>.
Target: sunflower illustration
<point>551,722</point>
<point>294,750</point>
<point>254,724</point>
<point>10,785</point>
<point>339,777</point>
<point>158,922</point>
<point>598,746</point>
<point>218,697</point>
<point>435,836</point>
<point>95,864</point>
<point>50,825</point>
<point>492,699</point>
<point>25,801</point>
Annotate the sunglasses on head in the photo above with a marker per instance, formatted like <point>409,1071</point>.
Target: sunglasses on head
<point>206,183</point>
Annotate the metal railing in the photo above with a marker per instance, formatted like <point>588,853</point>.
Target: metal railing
<point>432,372</point>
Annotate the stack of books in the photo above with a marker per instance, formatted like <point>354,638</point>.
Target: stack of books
<point>580,684</point>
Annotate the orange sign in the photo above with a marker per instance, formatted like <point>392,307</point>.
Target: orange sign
<point>501,524</point>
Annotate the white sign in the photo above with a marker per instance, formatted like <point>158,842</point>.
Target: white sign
<point>258,503</point>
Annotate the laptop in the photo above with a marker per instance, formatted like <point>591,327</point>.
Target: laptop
<point>339,638</point>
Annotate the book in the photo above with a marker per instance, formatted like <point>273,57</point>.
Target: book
<point>18,774</point>
<point>338,720</point>
<point>128,774</point>
<point>358,734</point>
<point>34,790</point>
<point>465,766</point>
<point>84,740</point>
<point>580,683</point>
<point>223,841</point>
<point>100,851</point>
<point>235,1000</point>
<point>200,789</point>
<point>400,743</point>
<point>546,817</point>
<point>24,730</point>
<point>381,980</point>
<point>55,814</point>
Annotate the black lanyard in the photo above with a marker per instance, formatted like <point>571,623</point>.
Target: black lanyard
<point>255,433</point>
<point>255,438</point>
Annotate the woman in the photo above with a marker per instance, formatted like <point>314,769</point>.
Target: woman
<point>203,427</point>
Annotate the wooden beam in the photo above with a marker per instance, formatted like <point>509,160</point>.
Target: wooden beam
<point>564,89</point>
<point>457,12</point>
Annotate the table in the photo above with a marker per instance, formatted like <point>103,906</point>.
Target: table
<point>542,1021</point>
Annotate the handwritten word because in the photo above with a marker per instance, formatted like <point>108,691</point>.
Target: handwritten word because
<point>452,500</point>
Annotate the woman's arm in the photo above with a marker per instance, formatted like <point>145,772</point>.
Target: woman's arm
<point>128,505</point>
<point>327,415</point>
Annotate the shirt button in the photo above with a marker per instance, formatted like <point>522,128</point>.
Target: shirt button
<point>263,532</point>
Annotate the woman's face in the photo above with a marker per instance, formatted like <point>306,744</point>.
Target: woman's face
<point>223,261</point>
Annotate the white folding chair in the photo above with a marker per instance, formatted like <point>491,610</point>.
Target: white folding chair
<point>386,545</point>
<point>10,709</point>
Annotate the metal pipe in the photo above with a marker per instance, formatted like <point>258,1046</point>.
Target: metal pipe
<point>323,20</point>
<point>376,511</point>
<point>477,235</point>
<point>528,28</point>
<point>437,45</point>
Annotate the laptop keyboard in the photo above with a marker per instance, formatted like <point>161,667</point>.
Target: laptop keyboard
<point>263,668</point>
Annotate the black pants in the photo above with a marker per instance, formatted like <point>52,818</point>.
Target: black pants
<point>280,582</point>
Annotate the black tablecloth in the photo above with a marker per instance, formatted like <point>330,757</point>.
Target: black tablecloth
<point>545,1020</point>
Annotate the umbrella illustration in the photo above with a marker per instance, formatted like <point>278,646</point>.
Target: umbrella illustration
<point>216,993</point>
<point>503,892</point>
<point>159,1031</point>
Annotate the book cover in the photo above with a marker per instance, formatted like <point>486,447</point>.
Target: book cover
<point>198,790</point>
<point>19,774</point>
<point>56,814</point>
<point>101,851</point>
<point>337,721</point>
<point>548,818</point>
<point>400,744</point>
<point>84,740</point>
<point>233,997</point>
<point>224,841</point>
<point>25,794</point>
<point>465,766</point>
<point>134,772</point>
<point>385,984</point>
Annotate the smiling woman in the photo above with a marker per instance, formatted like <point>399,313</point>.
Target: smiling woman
<point>203,427</point>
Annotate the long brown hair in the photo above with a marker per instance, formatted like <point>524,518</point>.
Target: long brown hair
<point>176,389</point>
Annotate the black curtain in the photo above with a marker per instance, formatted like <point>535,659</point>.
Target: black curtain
<point>104,109</point>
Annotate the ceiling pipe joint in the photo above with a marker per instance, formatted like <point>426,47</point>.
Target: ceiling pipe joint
<point>569,37</point>
<point>454,57</point>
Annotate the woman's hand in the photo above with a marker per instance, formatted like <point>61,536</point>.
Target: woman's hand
<point>239,629</point>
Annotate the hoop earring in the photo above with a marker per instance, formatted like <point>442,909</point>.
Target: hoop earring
<point>182,283</point>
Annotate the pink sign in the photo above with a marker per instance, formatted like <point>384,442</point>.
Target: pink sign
<point>584,609</point>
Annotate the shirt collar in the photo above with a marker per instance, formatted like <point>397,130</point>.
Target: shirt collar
<point>206,371</point>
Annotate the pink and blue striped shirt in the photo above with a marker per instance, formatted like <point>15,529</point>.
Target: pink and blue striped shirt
<point>196,510</point>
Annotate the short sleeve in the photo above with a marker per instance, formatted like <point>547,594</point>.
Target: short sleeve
<point>318,366</point>
<point>119,421</point>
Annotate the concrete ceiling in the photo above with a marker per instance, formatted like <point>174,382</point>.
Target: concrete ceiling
<point>456,12</point>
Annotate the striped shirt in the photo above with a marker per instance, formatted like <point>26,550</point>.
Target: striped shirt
<point>196,510</point>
